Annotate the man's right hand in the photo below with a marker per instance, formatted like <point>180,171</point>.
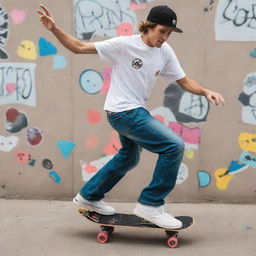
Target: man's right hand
<point>46,18</point>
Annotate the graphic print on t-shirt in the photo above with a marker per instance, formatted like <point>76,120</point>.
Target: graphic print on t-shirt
<point>137,63</point>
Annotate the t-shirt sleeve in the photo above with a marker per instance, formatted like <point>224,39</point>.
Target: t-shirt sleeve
<point>172,70</point>
<point>110,50</point>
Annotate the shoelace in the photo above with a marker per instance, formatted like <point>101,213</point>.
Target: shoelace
<point>163,211</point>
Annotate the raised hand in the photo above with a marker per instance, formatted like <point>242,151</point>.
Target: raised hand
<point>215,97</point>
<point>46,18</point>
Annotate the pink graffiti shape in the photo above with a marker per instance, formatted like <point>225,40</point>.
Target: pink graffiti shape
<point>107,72</point>
<point>18,16</point>
<point>125,29</point>
<point>10,88</point>
<point>93,116</point>
<point>135,6</point>
<point>22,157</point>
<point>89,168</point>
<point>160,118</point>
<point>113,146</point>
<point>191,136</point>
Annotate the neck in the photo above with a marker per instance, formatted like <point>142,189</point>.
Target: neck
<point>145,39</point>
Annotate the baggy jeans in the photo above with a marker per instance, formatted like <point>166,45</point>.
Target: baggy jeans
<point>138,129</point>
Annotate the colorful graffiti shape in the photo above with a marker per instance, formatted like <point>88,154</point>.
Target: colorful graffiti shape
<point>247,141</point>
<point>107,73</point>
<point>27,50</point>
<point>59,62</point>
<point>190,136</point>
<point>113,145</point>
<point>222,178</point>
<point>253,53</point>
<point>22,157</point>
<point>91,81</point>
<point>65,147</point>
<point>93,116</point>
<point>185,106</point>
<point>204,178</point>
<point>34,136</point>
<point>55,176</point>
<point>15,120</point>
<point>46,48</point>
<point>18,16</point>
<point>89,169</point>
<point>248,159</point>
<point>7,144</point>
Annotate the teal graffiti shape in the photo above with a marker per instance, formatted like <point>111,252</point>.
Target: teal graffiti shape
<point>55,176</point>
<point>59,62</point>
<point>253,53</point>
<point>65,147</point>
<point>204,178</point>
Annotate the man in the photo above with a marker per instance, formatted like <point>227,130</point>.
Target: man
<point>137,61</point>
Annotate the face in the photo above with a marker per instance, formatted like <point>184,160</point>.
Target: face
<point>157,36</point>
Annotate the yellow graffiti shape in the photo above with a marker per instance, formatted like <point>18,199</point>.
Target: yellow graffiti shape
<point>222,178</point>
<point>27,50</point>
<point>189,153</point>
<point>247,141</point>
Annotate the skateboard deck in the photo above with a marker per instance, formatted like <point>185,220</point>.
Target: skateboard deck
<point>108,222</point>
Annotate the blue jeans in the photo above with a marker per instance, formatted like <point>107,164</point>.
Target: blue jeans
<point>138,129</point>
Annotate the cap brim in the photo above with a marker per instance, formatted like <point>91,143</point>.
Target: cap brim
<point>178,30</point>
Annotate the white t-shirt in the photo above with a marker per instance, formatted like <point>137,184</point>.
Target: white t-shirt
<point>136,67</point>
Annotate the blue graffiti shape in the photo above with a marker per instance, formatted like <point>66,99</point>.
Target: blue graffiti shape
<point>55,176</point>
<point>248,158</point>
<point>204,178</point>
<point>91,81</point>
<point>65,147</point>
<point>46,48</point>
<point>235,167</point>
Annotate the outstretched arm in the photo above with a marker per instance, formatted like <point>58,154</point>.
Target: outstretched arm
<point>192,86</point>
<point>67,40</point>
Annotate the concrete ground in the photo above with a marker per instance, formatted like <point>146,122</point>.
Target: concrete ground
<point>49,228</point>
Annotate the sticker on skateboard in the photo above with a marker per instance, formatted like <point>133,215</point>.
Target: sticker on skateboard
<point>109,222</point>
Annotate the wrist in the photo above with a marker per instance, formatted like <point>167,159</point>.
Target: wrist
<point>206,92</point>
<point>54,29</point>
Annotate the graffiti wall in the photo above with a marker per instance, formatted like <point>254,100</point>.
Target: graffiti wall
<point>54,135</point>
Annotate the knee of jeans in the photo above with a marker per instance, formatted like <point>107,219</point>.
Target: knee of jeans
<point>133,159</point>
<point>177,146</point>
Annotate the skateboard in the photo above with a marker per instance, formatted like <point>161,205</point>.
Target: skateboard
<point>109,222</point>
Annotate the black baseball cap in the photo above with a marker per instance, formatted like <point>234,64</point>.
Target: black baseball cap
<point>163,15</point>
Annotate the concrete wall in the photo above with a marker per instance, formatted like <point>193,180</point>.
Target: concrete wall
<point>54,132</point>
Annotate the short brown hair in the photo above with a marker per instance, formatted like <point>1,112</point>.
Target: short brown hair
<point>145,25</point>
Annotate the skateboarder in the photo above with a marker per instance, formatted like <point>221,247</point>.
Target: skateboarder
<point>137,62</point>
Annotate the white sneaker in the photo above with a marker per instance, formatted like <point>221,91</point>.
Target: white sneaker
<point>157,215</point>
<point>97,206</point>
